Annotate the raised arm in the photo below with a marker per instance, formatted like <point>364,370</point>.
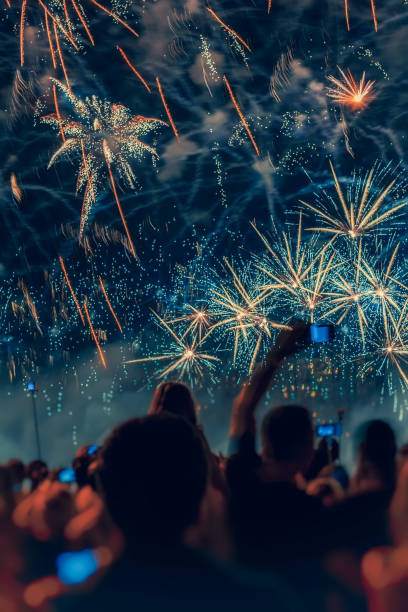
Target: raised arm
<point>287,343</point>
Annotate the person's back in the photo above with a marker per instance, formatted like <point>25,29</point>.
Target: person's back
<point>361,521</point>
<point>274,521</point>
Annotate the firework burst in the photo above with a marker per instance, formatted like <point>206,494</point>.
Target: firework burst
<point>350,292</point>
<point>387,288</point>
<point>357,213</point>
<point>242,311</point>
<point>348,92</point>
<point>185,355</point>
<point>105,137</point>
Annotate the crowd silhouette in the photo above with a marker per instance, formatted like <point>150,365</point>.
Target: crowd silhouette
<point>154,520</point>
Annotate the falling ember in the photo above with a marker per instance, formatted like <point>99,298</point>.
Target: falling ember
<point>166,108</point>
<point>122,216</point>
<point>94,336</point>
<point>230,30</point>
<point>22,18</point>
<point>15,188</point>
<point>346,12</point>
<point>115,17</point>
<point>348,92</point>
<point>129,63</point>
<point>109,304</point>
<point>71,290</point>
<point>30,305</point>
<point>241,116</point>
<point>270,6</point>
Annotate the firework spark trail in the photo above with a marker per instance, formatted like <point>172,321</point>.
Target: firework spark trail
<point>71,289</point>
<point>348,92</point>
<point>122,216</point>
<point>110,305</point>
<point>31,306</point>
<point>230,30</point>
<point>346,13</point>
<point>50,43</point>
<point>61,58</point>
<point>98,346</point>
<point>129,63</point>
<point>280,77</point>
<point>186,358</point>
<point>359,218</point>
<point>241,116</point>
<point>270,6</point>
<point>22,19</point>
<point>57,112</point>
<point>82,19</point>
<point>114,16</point>
<point>374,15</point>
<point>15,188</point>
<point>166,108</point>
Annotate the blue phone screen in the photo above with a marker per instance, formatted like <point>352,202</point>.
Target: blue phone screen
<point>319,333</point>
<point>76,567</point>
<point>67,475</point>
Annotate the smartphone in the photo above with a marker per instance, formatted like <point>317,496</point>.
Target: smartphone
<point>76,567</point>
<point>329,429</point>
<point>321,333</point>
<point>67,475</point>
<point>92,449</point>
<point>31,385</point>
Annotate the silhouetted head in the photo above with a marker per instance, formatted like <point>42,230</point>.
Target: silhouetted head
<point>287,438</point>
<point>17,471</point>
<point>176,398</point>
<point>36,471</point>
<point>153,475</point>
<point>378,450</point>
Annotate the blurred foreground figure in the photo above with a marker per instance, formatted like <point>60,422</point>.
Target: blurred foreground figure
<point>154,479</point>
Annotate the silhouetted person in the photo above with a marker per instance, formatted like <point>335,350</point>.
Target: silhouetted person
<point>361,521</point>
<point>175,398</point>
<point>376,469</point>
<point>273,521</point>
<point>154,477</point>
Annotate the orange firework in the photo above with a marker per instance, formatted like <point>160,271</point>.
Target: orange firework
<point>241,116</point>
<point>348,92</point>
<point>110,305</point>
<point>270,5</point>
<point>15,188</point>
<point>129,63</point>
<point>98,346</point>
<point>52,18</point>
<point>30,305</point>
<point>346,11</point>
<point>71,290</point>
<point>122,216</point>
<point>166,108</point>
<point>230,30</point>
